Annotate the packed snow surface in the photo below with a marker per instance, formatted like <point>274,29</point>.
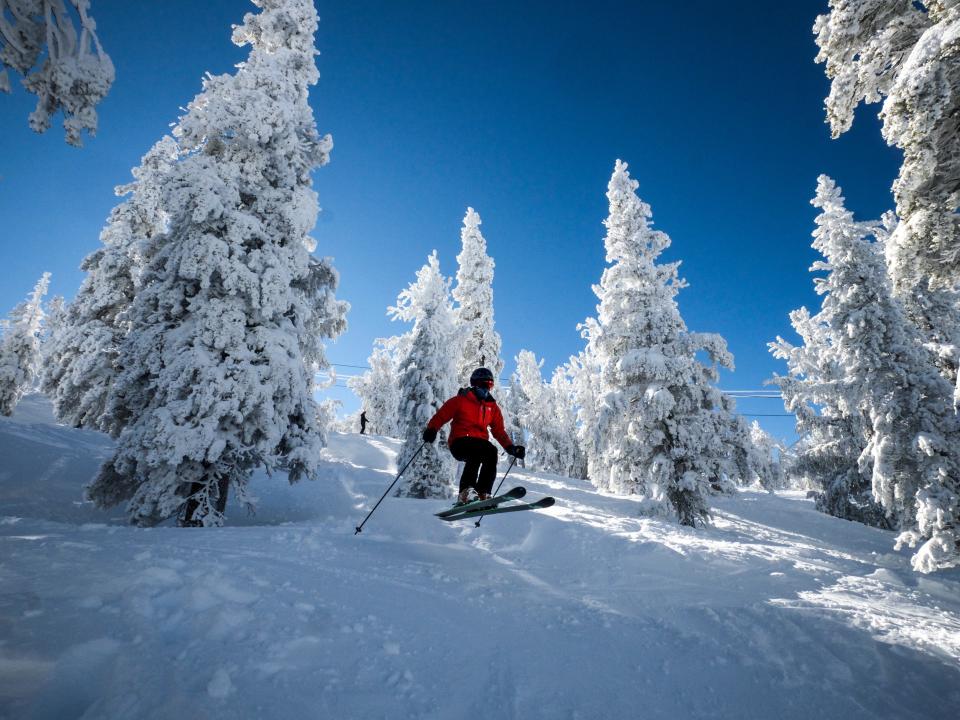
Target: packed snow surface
<point>581,611</point>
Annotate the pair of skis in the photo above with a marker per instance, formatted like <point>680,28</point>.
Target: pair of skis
<point>491,506</point>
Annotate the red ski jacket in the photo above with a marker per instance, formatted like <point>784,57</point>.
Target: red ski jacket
<point>471,418</point>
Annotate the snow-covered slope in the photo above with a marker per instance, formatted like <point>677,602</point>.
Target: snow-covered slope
<point>580,611</point>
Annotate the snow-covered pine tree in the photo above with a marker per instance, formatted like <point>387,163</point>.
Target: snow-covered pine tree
<point>548,413</point>
<point>903,53</point>
<point>79,367</point>
<point>473,295</point>
<point>76,73</point>
<point>765,462</point>
<point>512,402</point>
<point>536,413</point>
<point>226,330</point>
<point>585,377</point>
<point>833,433</point>
<point>56,314</point>
<point>661,425</point>
<point>888,377</point>
<point>571,460</point>
<point>379,387</point>
<point>20,348</point>
<point>427,379</point>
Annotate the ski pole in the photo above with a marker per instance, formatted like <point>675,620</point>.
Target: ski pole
<point>513,459</point>
<point>399,475</point>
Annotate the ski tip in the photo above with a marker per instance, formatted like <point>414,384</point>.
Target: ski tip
<point>546,502</point>
<point>517,492</point>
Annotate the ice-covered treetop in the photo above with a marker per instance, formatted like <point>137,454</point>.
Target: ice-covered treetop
<point>264,105</point>
<point>628,225</point>
<point>425,296</point>
<point>471,221</point>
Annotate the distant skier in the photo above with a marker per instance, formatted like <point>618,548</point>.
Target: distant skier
<point>473,410</point>
<point>363,422</point>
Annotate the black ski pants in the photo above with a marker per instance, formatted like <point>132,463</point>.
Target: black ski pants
<point>479,458</point>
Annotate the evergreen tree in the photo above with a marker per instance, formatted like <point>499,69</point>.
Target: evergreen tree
<point>80,359</point>
<point>585,378</point>
<point>76,73</point>
<point>512,401</point>
<point>226,328</point>
<point>427,379</point>
<point>903,53</point>
<point>887,376</point>
<point>661,426</point>
<point>571,460</point>
<point>474,297</point>
<point>766,465</point>
<point>536,413</point>
<point>20,348</point>
<point>833,433</point>
<point>378,388</point>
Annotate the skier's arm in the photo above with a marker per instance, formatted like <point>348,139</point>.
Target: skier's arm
<point>443,415</point>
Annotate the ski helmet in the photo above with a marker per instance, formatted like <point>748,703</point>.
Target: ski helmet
<point>481,377</point>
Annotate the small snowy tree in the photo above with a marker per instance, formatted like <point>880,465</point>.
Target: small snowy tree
<point>80,358</point>
<point>765,462</point>
<point>571,460</point>
<point>226,328</point>
<point>661,425</point>
<point>512,402</point>
<point>427,379</point>
<point>536,413</point>
<point>379,387</point>
<point>20,348</point>
<point>474,297</point>
<point>585,378</point>
<point>76,73</point>
<point>549,416</point>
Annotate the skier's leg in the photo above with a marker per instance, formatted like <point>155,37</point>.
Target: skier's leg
<point>464,450</point>
<point>488,467</point>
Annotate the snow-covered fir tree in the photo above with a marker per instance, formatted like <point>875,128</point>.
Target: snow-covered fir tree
<point>226,328</point>
<point>427,375</point>
<point>379,387</point>
<point>473,295</point>
<point>571,460</point>
<point>20,348</point>
<point>549,417</point>
<point>512,402</point>
<point>585,379</point>
<point>833,433</point>
<point>903,53</point>
<point>80,359</point>
<point>661,425</point>
<point>536,413</point>
<point>766,465</point>
<point>76,73</point>
<point>883,374</point>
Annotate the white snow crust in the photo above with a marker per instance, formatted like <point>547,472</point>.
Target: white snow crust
<point>585,610</point>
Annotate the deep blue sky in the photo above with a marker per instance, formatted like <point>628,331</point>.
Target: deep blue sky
<point>519,110</point>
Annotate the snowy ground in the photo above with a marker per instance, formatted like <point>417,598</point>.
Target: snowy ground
<point>580,611</point>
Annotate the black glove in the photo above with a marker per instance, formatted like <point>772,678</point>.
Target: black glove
<point>429,435</point>
<point>518,451</point>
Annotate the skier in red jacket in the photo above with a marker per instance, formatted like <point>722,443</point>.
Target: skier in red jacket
<point>473,410</point>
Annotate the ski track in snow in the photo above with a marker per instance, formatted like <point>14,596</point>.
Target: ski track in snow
<point>581,611</point>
